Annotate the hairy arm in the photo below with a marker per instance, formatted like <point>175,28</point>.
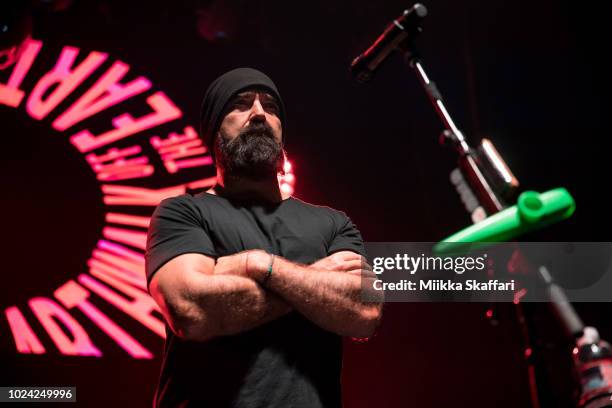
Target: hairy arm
<point>328,292</point>
<point>202,300</point>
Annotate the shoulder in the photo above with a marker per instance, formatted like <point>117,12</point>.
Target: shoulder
<point>338,217</point>
<point>184,207</point>
<point>188,202</point>
<point>176,203</point>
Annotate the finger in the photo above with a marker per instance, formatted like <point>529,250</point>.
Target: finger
<point>364,273</point>
<point>350,265</point>
<point>346,255</point>
<point>365,266</point>
<point>352,255</point>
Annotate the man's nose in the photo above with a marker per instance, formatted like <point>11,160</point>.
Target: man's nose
<point>258,114</point>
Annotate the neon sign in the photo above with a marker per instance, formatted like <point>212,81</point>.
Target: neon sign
<point>115,269</point>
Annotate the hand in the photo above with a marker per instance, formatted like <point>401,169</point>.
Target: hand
<point>343,261</point>
<point>247,264</point>
<point>235,264</point>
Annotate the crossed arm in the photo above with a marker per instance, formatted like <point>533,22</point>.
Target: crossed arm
<point>202,299</point>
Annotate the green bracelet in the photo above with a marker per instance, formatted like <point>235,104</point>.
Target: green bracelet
<point>269,271</point>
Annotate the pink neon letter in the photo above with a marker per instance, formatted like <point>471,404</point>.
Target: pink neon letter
<point>128,219</point>
<point>106,92</point>
<point>72,294</point>
<point>47,311</point>
<point>114,164</point>
<point>139,308</point>
<point>25,339</point>
<point>125,125</point>
<point>139,196</point>
<point>177,146</point>
<point>136,239</point>
<point>10,94</point>
<point>119,262</point>
<point>68,80</point>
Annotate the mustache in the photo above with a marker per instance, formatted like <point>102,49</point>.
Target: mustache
<point>256,129</point>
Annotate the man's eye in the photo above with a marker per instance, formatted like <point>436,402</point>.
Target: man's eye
<point>242,105</point>
<point>271,107</point>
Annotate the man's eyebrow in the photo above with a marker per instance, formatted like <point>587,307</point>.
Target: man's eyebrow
<point>251,93</point>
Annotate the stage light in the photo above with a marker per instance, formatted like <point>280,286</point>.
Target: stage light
<point>286,188</point>
<point>289,178</point>
<point>287,166</point>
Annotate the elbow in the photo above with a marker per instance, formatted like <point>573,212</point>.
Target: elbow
<point>190,323</point>
<point>189,333</point>
<point>368,321</point>
<point>192,330</point>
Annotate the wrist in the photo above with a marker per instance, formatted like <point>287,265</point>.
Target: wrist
<point>258,262</point>
<point>268,275</point>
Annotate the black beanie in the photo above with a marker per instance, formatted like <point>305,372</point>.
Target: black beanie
<point>221,91</point>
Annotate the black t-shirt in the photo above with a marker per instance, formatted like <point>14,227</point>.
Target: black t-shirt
<point>289,362</point>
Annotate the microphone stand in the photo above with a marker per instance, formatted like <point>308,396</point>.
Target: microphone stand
<point>485,194</point>
<point>494,187</point>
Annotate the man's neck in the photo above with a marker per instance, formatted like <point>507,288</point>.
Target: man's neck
<point>240,188</point>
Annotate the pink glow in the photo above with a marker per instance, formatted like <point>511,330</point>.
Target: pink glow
<point>173,166</point>
<point>289,178</point>
<point>106,92</point>
<point>10,94</point>
<point>164,146</point>
<point>286,179</point>
<point>185,149</point>
<point>66,78</point>
<point>140,307</point>
<point>128,254</point>
<point>25,339</point>
<point>287,166</point>
<point>177,146</point>
<point>49,313</point>
<point>127,265</point>
<point>286,188</point>
<point>127,219</point>
<point>97,266</point>
<point>202,183</point>
<point>138,196</point>
<point>113,165</point>
<point>133,238</point>
<point>119,262</point>
<point>112,154</point>
<point>71,294</point>
<point>125,125</point>
<point>519,295</point>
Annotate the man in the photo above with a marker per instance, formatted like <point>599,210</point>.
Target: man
<point>256,287</point>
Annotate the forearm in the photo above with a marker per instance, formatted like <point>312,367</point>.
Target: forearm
<point>330,299</point>
<point>227,304</point>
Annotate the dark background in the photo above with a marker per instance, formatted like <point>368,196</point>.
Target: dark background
<point>527,75</point>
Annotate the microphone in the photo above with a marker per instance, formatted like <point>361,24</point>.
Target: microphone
<point>402,29</point>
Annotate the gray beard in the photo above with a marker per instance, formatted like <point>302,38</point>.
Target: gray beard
<point>254,154</point>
